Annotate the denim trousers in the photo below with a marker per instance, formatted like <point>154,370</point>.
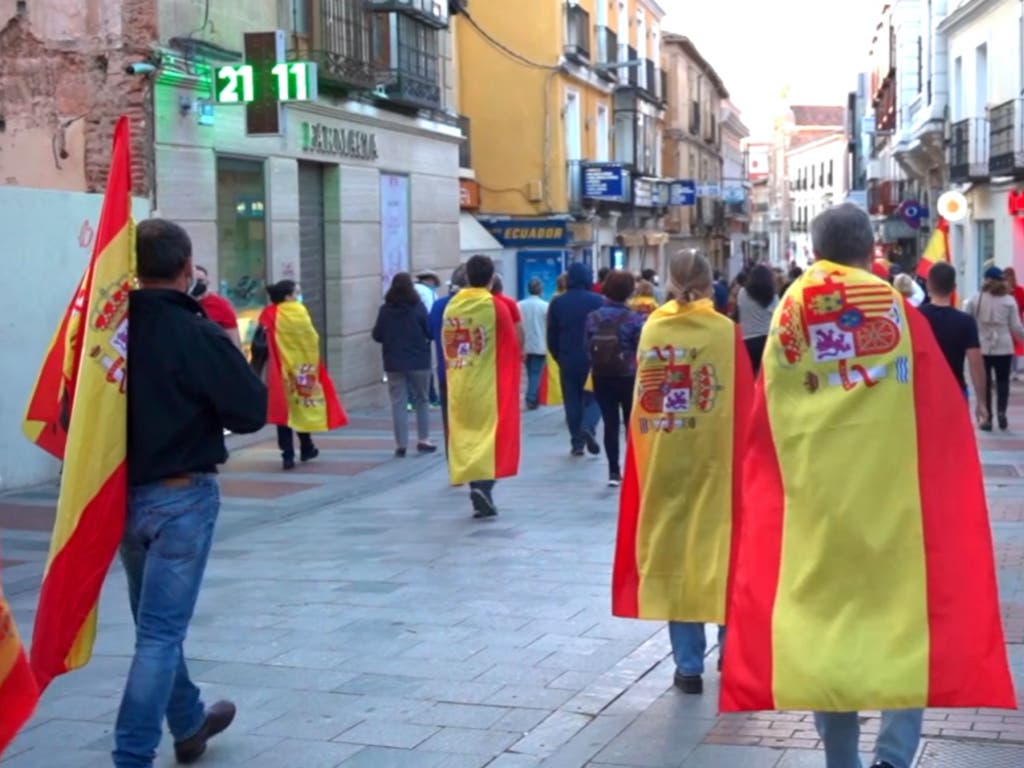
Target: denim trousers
<point>164,550</point>
<point>897,739</point>
<point>414,387</point>
<point>689,644</point>
<point>534,370</point>
<point>581,410</point>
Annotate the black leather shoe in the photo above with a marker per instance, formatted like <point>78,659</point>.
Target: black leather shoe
<point>288,463</point>
<point>691,684</point>
<point>1003,423</point>
<point>309,455</point>
<point>218,718</point>
<point>593,447</point>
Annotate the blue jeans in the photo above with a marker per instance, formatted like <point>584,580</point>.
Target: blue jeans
<point>897,739</point>
<point>164,550</point>
<point>534,369</point>
<point>689,644</point>
<point>582,412</point>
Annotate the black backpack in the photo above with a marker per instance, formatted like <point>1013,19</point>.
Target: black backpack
<point>607,357</point>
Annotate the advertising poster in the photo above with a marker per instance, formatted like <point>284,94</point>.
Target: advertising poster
<point>394,227</point>
<point>546,265</point>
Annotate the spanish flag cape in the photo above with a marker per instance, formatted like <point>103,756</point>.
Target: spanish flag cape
<point>300,393</point>
<point>79,413</point>
<point>680,494</point>
<point>18,690</point>
<point>550,392</point>
<point>864,575</point>
<point>482,361</point>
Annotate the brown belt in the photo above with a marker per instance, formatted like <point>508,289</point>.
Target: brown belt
<point>178,481</point>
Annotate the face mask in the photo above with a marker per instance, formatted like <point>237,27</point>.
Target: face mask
<point>299,298</point>
<point>197,289</point>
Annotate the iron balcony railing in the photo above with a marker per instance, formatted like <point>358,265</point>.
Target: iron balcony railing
<point>968,150</point>
<point>1006,136</point>
<point>577,33</point>
<point>342,44</point>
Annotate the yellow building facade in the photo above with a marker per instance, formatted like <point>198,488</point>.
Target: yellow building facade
<point>548,90</point>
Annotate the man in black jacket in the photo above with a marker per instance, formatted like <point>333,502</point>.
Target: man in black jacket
<point>187,382</point>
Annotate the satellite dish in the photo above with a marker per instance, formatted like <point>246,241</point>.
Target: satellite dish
<point>953,206</point>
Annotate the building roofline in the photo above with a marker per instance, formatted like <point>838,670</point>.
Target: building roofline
<point>688,47</point>
<point>963,15</point>
<point>818,142</point>
<point>654,6</point>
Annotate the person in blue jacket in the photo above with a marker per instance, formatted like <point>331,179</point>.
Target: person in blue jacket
<point>567,320</point>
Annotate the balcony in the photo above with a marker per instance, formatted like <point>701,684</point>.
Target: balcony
<point>465,148</point>
<point>341,45</point>
<point>633,72</point>
<point>577,34</point>
<point>607,52</point>
<point>1006,134</point>
<point>883,197</point>
<point>968,150</point>
<point>433,13</point>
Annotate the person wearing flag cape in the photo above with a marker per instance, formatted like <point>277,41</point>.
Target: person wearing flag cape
<point>680,494</point>
<point>482,361</point>
<point>864,576</point>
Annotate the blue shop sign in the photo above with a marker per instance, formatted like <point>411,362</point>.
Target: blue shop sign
<point>606,181</point>
<point>662,194</point>
<point>530,233</point>
<point>683,192</point>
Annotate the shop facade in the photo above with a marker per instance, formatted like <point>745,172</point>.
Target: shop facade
<point>347,195</point>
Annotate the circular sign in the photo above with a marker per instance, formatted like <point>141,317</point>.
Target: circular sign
<point>953,206</point>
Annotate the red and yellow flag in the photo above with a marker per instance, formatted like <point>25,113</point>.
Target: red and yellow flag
<point>18,690</point>
<point>482,360</point>
<point>550,391</point>
<point>300,393</point>
<point>937,250</point>
<point>78,411</point>
<point>864,577</point>
<point>680,494</point>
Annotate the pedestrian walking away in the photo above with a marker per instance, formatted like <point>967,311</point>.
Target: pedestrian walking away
<point>403,332</point>
<point>482,358</point>
<point>187,382</point>
<point>957,334</point>
<point>849,501</point>
<point>567,319</point>
<point>681,495</point>
<point>999,324</point>
<point>436,323</point>
<point>534,311</point>
<point>302,397</point>
<point>612,337</point>
<point>755,303</point>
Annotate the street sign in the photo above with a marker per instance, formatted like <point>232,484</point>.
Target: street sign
<point>734,193</point>
<point>709,190</point>
<point>606,181</point>
<point>682,192</point>
<point>662,194</point>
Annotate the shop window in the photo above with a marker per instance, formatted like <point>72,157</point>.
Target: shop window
<point>241,233</point>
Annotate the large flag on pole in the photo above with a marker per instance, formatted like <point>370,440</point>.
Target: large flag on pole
<point>937,250</point>
<point>79,412</point>
<point>18,691</point>
<point>865,577</point>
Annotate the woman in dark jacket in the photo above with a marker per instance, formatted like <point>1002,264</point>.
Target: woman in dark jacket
<point>404,336</point>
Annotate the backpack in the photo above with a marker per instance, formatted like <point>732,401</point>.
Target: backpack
<point>607,357</point>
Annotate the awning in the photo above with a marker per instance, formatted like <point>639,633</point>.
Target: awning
<point>474,238</point>
<point>633,238</point>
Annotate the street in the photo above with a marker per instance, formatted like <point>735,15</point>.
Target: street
<point>358,616</point>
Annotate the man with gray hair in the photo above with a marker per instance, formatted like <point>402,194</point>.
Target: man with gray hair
<point>865,547</point>
<point>534,311</point>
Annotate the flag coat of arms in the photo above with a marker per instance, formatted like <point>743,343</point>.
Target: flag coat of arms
<point>79,413</point>
<point>18,690</point>
<point>300,393</point>
<point>680,494</point>
<point>482,362</point>
<point>865,577</point>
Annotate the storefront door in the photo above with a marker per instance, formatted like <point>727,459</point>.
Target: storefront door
<point>311,246</point>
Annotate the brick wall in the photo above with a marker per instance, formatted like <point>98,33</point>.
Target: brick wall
<point>52,84</point>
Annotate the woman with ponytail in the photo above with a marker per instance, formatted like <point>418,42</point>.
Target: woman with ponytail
<point>680,494</point>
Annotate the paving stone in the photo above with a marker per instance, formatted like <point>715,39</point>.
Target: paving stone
<point>461,715</point>
<point>384,733</point>
<point>300,725</point>
<point>714,756</point>
<point>530,696</point>
<point>551,734</point>
<point>380,757</point>
<point>470,741</point>
<point>289,753</point>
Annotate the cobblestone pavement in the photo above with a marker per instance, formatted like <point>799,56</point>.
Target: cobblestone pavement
<point>360,617</point>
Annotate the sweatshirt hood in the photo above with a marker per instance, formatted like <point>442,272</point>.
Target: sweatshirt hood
<point>579,276</point>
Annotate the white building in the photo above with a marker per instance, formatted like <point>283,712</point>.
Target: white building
<point>817,180</point>
<point>986,135</point>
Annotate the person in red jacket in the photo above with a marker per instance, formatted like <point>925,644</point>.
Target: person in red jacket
<point>217,308</point>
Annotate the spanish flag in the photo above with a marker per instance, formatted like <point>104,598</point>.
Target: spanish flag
<point>300,393</point>
<point>18,691</point>
<point>550,392</point>
<point>680,494</point>
<point>864,577</point>
<point>79,412</point>
<point>937,250</point>
<point>482,360</point>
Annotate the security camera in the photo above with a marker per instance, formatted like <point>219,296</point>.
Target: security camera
<point>140,68</point>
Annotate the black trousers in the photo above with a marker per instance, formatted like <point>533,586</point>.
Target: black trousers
<point>614,396</point>
<point>1000,364</point>
<point>287,444</point>
<point>487,486</point>
<point>755,348</point>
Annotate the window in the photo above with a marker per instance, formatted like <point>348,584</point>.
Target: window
<point>302,12</point>
<point>573,128</point>
<point>641,46</point>
<point>241,232</point>
<point>601,13</point>
<point>920,64</point>
<point>831,172</point>
<point>984,240</point>
<point>417,48</point>
<point>981,81</point>
<point>625,137</point>
<point>601,143</point>
<point>623,31</point>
